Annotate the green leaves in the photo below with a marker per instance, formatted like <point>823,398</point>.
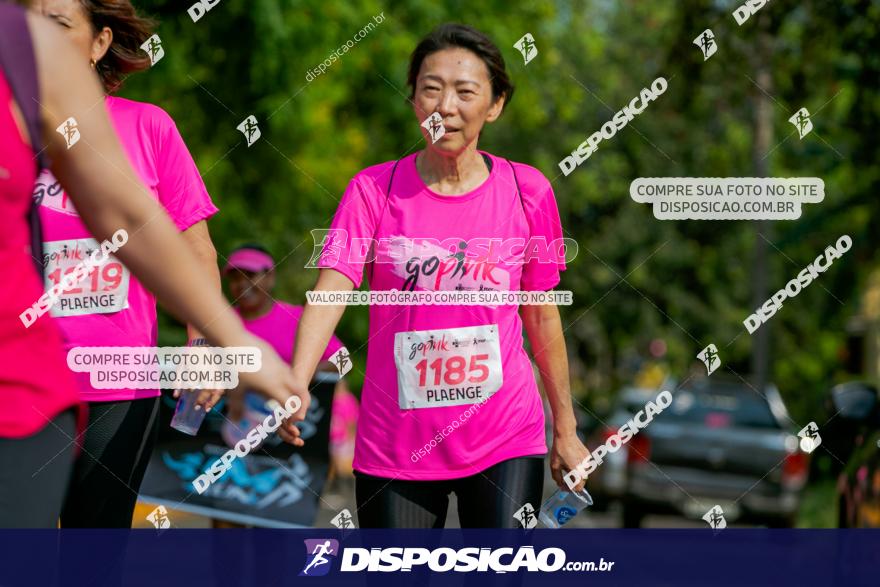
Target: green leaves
<point>685,281</point>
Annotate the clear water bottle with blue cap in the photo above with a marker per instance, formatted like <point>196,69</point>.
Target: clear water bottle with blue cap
<point>563,506</point>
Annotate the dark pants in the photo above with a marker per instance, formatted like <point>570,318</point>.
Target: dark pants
<point>486,500</point>
<point>34,473</point>
<point>107,475</point>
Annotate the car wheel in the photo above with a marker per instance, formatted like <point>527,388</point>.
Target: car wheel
<point>632,515</point>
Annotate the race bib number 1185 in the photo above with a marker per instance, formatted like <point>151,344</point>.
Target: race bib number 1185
<point>447,367</point>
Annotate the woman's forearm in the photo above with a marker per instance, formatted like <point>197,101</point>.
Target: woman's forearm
<point>316,325</point>
<point>544,329</point>
<point>199,240</point>
<point>179,279</point>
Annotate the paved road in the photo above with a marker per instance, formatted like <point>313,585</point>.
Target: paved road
<point>342,496</point>
<point>337,500</point>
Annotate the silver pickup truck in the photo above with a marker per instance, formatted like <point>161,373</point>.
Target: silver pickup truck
<point>720,443</point>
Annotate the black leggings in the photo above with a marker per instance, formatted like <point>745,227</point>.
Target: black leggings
<point>111,465</point>
<point>34,472</point>
<point>485,500</point>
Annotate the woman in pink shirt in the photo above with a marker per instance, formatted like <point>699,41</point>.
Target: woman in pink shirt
<point>450,402</point>
<point>250,275</point>
<point>37,392</point>
<point>111,307</point>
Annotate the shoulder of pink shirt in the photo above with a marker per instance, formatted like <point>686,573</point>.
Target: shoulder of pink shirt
<point>531,181</point>
<point>376,176</point>
<point>150,115</point>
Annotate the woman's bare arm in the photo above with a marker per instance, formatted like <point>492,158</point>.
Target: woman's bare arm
<point>544,329</point>
<point>316,326</point>
<point>199,241</point>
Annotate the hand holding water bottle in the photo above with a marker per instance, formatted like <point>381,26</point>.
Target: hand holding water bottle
<point>193,404</point>
<point>566,454</point>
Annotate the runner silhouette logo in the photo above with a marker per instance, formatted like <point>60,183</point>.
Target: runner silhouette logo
<point>319,554</point>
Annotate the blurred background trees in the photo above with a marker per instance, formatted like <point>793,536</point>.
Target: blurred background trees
<point>680,284</point>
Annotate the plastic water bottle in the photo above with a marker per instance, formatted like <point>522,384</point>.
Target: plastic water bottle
<point>563,506</point>
<point>187,418</point>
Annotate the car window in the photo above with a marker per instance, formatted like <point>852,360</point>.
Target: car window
<point>721,406</point>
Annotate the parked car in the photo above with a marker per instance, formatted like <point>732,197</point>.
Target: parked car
<point>719,442</point>
<point>856,438</point>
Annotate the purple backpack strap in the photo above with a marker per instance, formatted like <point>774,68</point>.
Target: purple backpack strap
<point>518,189</point>
<point>20,69</point>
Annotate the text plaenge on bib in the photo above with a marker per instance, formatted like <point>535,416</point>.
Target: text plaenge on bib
<point>447,367</point>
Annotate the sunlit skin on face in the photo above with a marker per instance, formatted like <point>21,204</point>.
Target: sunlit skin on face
<point>251,291</point>
<point>455,83</point>
<point>74,20</point>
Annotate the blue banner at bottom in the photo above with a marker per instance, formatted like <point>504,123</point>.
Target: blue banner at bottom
<point>231,557</point>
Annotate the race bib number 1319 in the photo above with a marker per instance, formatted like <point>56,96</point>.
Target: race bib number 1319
<point>103,291</point>
<point>447,367</point>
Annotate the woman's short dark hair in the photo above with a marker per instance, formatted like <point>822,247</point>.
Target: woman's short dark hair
<point>130,30</point>
<point>451,35</point>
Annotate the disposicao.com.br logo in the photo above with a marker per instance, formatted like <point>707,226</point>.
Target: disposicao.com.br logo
<point>320,553</point>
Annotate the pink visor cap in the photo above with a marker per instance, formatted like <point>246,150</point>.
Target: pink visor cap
<point>249,260</point>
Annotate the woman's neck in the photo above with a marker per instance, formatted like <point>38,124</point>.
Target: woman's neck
<point>259,311</point>
<point>452,175</point>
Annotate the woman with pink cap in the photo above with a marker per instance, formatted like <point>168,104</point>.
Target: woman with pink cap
<point>250,274</point>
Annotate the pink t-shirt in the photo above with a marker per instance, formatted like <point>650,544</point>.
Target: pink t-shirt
<point>35,384</point>
<point>110,307</point>
<point>411,426</point>
<point>344,414</point>
<point>278,328</point>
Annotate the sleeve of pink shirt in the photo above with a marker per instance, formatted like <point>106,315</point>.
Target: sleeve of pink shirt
<point>355,223</point>
<point>541,271</point>
<point>182,191</point>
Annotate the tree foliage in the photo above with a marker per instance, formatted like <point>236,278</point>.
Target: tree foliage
<point>636,278</point>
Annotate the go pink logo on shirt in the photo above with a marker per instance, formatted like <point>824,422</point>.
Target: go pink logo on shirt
<point>428,266</point>
<point>49,193</point>
<point>330,246</point>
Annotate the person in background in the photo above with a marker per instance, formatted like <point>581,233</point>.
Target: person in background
<point>429,365</point>
<point>111,307</point>
<point>343,429</point>
<point>250,276</point>
<point>38,396</point>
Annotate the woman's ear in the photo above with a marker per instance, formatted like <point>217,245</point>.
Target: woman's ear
<point>496,109</point>
<point>101,43</point>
